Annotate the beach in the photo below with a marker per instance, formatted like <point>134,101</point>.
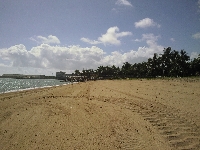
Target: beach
<point>136,114</point>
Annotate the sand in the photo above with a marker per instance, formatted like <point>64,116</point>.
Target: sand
<point>111,114</point>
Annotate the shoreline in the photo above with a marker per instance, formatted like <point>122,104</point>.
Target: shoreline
<point>31,86</point>
<point>27,89</point>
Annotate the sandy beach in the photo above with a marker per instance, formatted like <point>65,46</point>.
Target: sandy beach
<point>111,114</point>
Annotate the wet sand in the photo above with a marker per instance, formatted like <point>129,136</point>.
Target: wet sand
<point>115,114</point>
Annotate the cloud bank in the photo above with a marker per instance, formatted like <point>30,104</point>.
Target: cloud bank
<point>145,23</point>
<point>74,57</point>
<point>111,37</point>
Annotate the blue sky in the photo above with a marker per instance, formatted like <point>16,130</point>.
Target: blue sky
<point>42,36</point>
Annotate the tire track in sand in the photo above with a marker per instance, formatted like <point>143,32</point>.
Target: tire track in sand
<point>180,133</point>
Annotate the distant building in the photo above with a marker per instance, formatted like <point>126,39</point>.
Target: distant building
<point>60,75</point>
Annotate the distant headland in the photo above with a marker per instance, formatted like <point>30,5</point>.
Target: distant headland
<point>22,76</point>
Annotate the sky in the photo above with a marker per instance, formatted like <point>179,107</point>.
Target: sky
<point>46,36</point>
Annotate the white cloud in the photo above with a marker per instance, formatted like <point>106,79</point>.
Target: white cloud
<point>172,39</point>
<point>49,40</point>
<point>194,55</point>
<point>90,41</point>
<point>54,58</point>
<point>150,37</point>
<point>196,36</point>
<point>152,46</point>
<point>123,2</point>
<point>137,40</point>
<point>110,37</point>
<point>145,23</point>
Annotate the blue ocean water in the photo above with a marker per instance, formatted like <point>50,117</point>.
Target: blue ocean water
<point>11,85</point>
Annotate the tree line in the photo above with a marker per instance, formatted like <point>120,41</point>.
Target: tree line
<point>171,63</point>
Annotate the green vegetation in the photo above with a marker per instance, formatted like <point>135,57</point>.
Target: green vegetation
<point>171,63</point>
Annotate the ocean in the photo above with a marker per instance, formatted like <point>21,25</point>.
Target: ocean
<point>12,85</point>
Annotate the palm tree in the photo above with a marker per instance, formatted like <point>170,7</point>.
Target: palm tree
<point>195,66</point>
<point>126,69</point>
<point>183,62</point>
<point>77,73</point>
<point>166,61</point>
